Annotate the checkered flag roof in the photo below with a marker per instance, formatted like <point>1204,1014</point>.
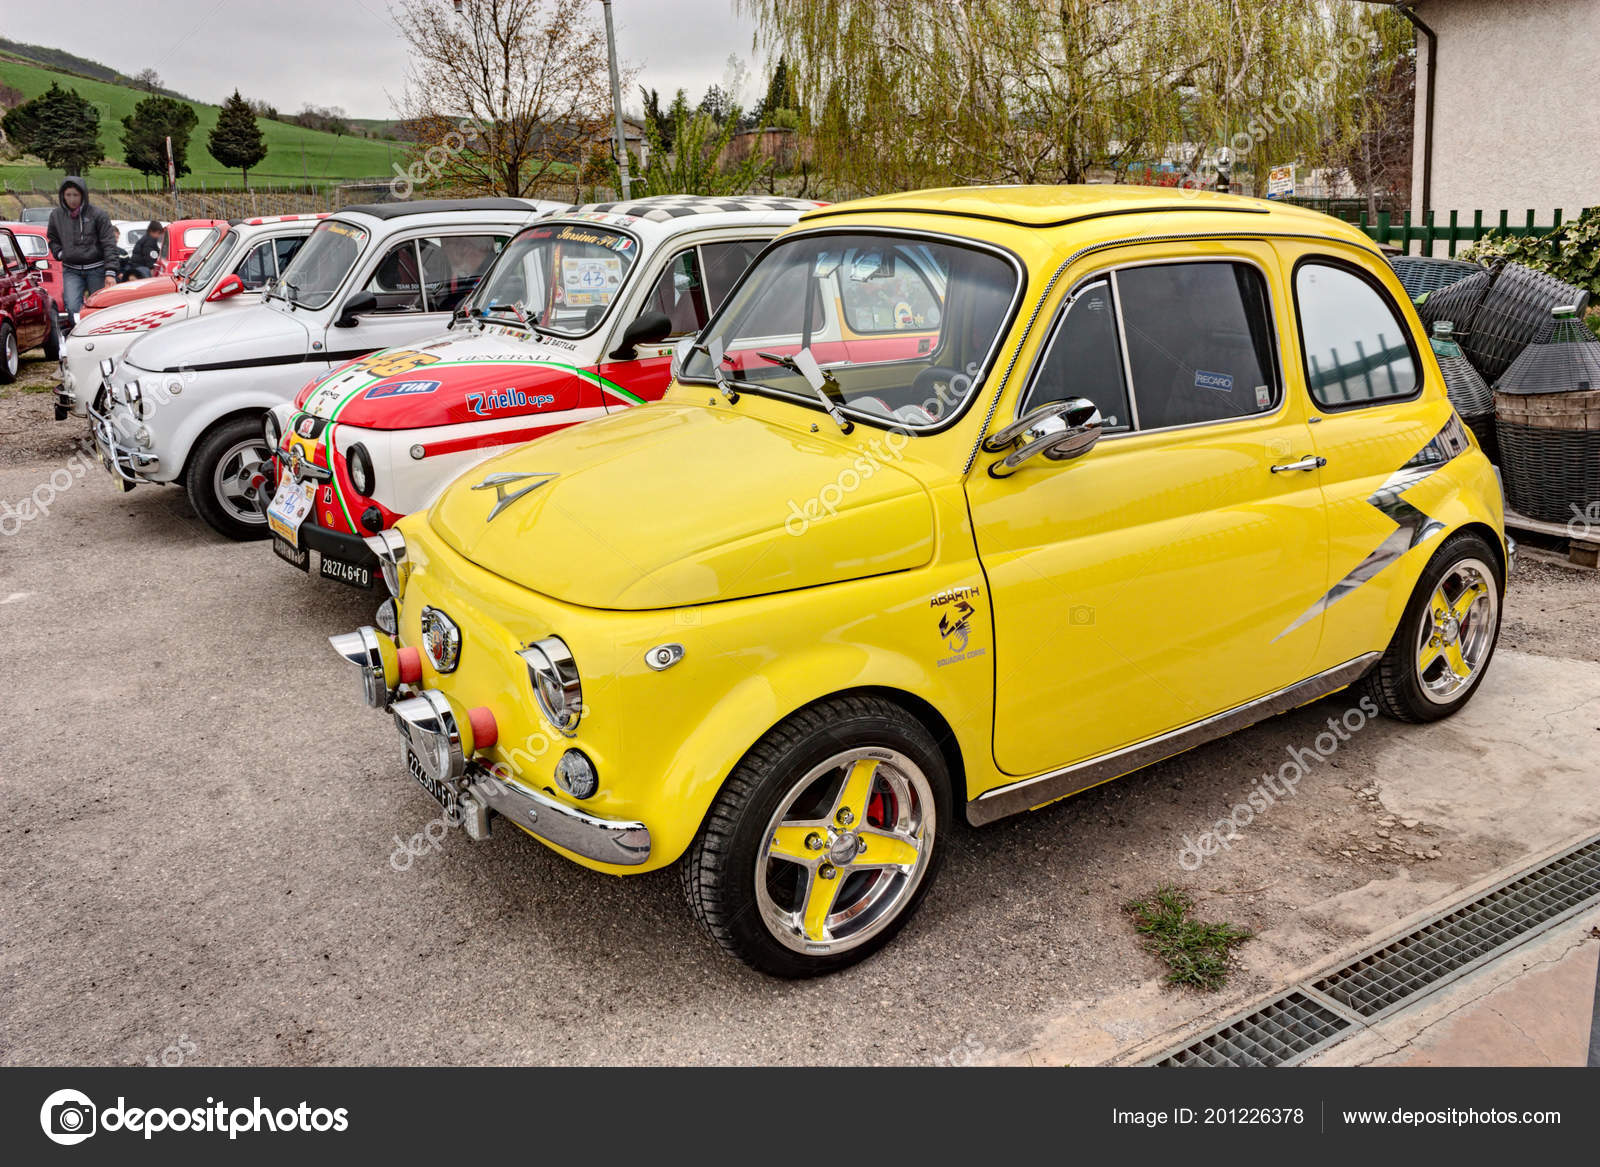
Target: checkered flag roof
<point>662,208</point>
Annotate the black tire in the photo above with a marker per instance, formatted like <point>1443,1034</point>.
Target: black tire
<point>1394,684</point>
<point>10,355</point>
<point>211,501</point>
<point>719,872</point>
<point>52,340</point>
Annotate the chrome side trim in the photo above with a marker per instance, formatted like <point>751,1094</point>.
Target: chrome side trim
<point>1031,792</point>
<point>616,841</point>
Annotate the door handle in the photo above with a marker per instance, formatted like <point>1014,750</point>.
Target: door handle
<point>1309,462</point>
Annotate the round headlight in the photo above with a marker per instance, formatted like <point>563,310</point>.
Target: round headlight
<point>576,775</point>
<point>556,687</point>
<point>270,430</point>
<point>359,463</point>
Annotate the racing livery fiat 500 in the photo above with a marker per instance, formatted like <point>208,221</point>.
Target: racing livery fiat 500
<point>1111,472</point>
<point>575,319</point>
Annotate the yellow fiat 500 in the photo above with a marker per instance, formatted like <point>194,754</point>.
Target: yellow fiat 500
<point>965,501</point>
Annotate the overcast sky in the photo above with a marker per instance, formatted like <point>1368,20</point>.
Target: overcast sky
<point>346,52</point>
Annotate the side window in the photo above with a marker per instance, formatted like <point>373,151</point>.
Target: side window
<point>9,255</point>
<point>452,265</point>
<point>882,291</point>
<point>723,263</point>
<point>1199,339</point>
<point>681,294</point>
<point>256,268</point>
<point>1355,347</point>
<point>398,280</point>
<point>1083,359</point>
<point>285,249</point>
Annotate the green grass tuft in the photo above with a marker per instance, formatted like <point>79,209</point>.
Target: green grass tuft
<point>1196,953</point>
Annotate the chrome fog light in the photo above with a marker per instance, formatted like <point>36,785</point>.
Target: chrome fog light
<point>556,686</point>
<point>576,775</point>
<point>433,736</point>
<point>390,548</point>
<point>142,436</point>
<point>364,649</point>
<point>270,431</point>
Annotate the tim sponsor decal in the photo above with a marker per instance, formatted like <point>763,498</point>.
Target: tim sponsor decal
<point>401,389</point>
<point>69,1117</point>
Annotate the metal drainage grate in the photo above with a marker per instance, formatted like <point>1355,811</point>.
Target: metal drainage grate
<point>1284,1032</point>
<point>1382,979</point>
<point>1316,1014</point>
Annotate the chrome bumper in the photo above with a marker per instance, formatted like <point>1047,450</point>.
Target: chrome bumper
<point>1511,557</point>
<point>128,464</point>
<point>626,844</point>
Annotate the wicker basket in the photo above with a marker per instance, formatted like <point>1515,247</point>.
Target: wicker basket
<point>1547,419</point>
<point>1422,276</point>
<point>1513,314</point>
<point>1459,302</point>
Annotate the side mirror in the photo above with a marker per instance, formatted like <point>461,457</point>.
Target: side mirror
<point>1061,431</point>
<point>647,328</point>
<point>229,285</point>
<point>354,307</point>
<point>41,265</point>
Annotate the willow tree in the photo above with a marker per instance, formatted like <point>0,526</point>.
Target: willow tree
<point>907,93</point>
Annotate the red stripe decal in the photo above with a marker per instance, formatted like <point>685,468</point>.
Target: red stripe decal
<point>484,441</point>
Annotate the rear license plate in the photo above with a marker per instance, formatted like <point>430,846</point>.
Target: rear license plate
<point>288,509</point>
<point>442,794</point>
<point>353,574</point>
<point>289,553</point>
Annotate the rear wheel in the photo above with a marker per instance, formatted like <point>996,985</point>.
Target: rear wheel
<point>823,841</point>
<point>10,357</point>
<point>220,477</point>
<point>52,340</point>
<point>1446,637</point>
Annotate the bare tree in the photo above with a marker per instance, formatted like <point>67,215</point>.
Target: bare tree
<point>148,80</point>
<point>502,94</point>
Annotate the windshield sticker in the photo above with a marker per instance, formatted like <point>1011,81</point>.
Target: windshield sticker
<point>1263,397</point>
<point>355,233</point>
<point>1221,382</point>
<point>401,389</point>
<point>571,234</point>
<point>588,282</point>
<point>483,404</point>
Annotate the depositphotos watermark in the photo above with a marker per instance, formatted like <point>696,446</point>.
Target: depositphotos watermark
<point>37,503</point>
<point>1267,790</point>
<point>434,159</point>
<point>1582,523</point>
<point>69,1117</point>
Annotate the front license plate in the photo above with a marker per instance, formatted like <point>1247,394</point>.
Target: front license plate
<point>295,556</point>
<point>442,794</point>
<point>353,574</point>
<point>288,509</point>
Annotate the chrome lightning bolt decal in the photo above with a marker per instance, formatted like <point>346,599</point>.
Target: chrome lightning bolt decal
<point>1412,527</point>
<point>503,497</point>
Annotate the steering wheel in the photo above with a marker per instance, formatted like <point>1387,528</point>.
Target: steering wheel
<point>926,389</point>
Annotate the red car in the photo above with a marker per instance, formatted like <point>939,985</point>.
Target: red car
<point>26,316</point>
<point>181,239</point>
<point>204,235</point>
<point>36,250</point>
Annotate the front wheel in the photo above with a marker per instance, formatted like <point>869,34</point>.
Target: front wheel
<point>220,478</point>
<point>823,840</point>
<point>10,356</point>
<point>1446,637</point>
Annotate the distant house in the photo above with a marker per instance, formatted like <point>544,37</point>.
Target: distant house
<point>1506,116</point>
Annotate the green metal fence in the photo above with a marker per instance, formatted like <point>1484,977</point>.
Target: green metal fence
<point>1430,232</point>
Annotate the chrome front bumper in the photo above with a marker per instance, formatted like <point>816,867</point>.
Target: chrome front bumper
<point>128,464</point>
<point>626,844</point>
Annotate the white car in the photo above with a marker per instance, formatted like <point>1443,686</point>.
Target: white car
<point>576,319</point>
<point>231,275</point>
<point>185,404</point>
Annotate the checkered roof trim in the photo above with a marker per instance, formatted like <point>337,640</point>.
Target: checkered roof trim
<point>663,208</point>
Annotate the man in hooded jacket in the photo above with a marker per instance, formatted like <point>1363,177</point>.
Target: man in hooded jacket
<point>81,236</point>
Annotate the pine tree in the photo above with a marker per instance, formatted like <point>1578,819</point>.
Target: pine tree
<point>59,127</point>
<point>145,132</point>
<point>235,141</point>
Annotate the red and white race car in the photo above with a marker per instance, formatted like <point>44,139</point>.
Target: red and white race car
<point>577,317</point>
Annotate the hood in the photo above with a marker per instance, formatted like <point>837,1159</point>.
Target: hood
<point>139,315</point>
<point>250,336</point>
<point>131,290</point>
<point>72,180</point>
<point>463,376</point>
<point>669,505</point>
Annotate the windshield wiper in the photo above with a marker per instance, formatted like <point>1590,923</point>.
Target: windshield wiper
<point>728,385</point>
<point>821,381</point>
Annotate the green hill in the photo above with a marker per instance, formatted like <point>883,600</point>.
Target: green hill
<point>294,154</point>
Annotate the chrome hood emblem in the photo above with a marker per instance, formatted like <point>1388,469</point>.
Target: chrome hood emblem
<point>503,496</point>
<point>441,640</point>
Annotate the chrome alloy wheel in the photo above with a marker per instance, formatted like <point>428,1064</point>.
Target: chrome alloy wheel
<point>230,481</point>
<point>1457,630</point>
<point>845,850</point>
<point>11,356</point>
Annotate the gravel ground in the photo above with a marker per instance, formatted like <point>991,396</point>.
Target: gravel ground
<point>200,817</point>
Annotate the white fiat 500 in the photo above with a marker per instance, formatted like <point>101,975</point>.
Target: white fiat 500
<point>233,274</point>
<point>185,404</point>
<point>576,319</point>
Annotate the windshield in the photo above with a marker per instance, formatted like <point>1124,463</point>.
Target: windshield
<point>319,267</point>
<point>213,236</point>
<point>211,263</point>
<point>559,277</point>
<point>902,327</point>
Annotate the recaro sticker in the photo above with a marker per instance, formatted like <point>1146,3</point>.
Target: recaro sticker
<point>1221,382</point>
